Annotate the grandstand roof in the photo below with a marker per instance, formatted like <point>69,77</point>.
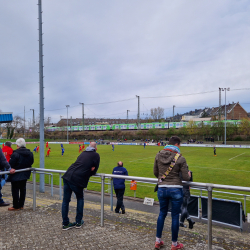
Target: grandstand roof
<point>6,117</point>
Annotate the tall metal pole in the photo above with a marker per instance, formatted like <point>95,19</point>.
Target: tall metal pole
<point>220,103</point>
<point>173,111</point>
<point>225,117</point>
<point>67,124</point>
<point>225,136</point>
<point>82,115</point>
<point>127,115</point>
<point>41,186</point>
<point>209,217</point>
<point>24,124</point>
<point>138,115</point>
<point>33,118</point>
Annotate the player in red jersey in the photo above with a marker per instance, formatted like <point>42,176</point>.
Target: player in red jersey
<point>80,148</point>
<point>37,149</point>
<point>48,152</point>
<point>83,147</point>
<point>47,144</point>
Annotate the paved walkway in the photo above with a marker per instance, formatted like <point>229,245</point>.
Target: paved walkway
<point>41,229</point>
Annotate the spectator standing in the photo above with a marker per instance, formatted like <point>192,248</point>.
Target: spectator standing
<point>75,180</point>
<point>119,186</point>
<point>167,166</point>
<point>4,165</point>
<point>184,206</point>
<point>21,158</point>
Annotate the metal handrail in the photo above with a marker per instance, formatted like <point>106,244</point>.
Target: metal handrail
<point>208,186</point>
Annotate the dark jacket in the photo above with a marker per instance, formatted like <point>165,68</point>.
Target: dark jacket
<point>21,158</point>
<point>162,162</point>
<point>119,183</point>
<point>4,165</point>
<point>80,171</point>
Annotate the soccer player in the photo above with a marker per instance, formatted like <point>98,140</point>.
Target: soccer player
<point>48,152</point>
<point>144,144</point>
<point>35,149</point>
<point>80,148</point>
<point>83,147</point>
<point>61,145</point>
<point>63,151</point>
<point>113,147</point>
<point>47,144</point>
<point>215,151</point>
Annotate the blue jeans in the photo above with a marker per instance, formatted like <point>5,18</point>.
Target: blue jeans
<point>69,187</point>
<point>175,195</point>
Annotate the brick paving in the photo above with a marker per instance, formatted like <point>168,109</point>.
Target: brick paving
<point>42,229</point>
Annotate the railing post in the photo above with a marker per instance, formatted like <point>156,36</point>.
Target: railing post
<point>102,200</point>
<point>111,194</point>
<point>60,187</point>
<point>245,208</point>
<point>34,189</point>
<point>51,184</point>
<point>209,217</point>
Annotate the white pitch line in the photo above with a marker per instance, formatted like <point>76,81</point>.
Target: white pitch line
<point>236,156</point>
<point>221,169</point>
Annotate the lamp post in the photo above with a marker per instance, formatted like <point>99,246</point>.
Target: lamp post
<point>138,115</point>
<point>82,115</point>
<point>225,136</point>
<point>67,106</point>
<point>127,115</point>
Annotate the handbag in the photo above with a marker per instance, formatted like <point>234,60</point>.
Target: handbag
<point>168,170</point>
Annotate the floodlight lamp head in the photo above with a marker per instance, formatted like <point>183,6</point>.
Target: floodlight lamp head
<point>228,89</point>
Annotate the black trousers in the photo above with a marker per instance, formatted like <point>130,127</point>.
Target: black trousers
<point>119,195</point>
<point>18,189</point>
<point>184,210</point>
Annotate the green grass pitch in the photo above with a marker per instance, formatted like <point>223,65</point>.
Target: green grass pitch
<point>231,166</point>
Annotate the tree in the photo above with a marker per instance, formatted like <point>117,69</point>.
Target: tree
<point>157,113</point>
<point>192,128</point>
<point>18,124</point>
<point>244,127</point>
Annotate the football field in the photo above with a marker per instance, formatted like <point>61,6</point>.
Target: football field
<point>231,166</point>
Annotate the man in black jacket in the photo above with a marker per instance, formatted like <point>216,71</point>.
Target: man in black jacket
<point>20,159</point>
<point>75,180</point>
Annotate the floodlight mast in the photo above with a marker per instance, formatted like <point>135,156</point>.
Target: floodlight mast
<point>82,115</point>
<point>41,187</point>
<point>138,115</point>
<point>225,136</point>
<point>67,106</point>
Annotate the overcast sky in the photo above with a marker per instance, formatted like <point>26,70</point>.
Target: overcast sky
<point>109,51</point>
